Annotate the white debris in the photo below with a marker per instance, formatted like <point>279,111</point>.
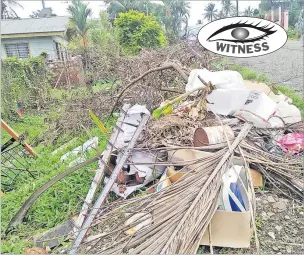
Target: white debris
<point>221,80</point>
<point>130,124</point>
<point>90,144</point>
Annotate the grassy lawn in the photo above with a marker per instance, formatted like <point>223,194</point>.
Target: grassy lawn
<point>60,202</point>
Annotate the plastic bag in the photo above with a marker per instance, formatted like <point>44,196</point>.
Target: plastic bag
<point>292,142</point>
<point>288,112</point>
<point>221,80</point>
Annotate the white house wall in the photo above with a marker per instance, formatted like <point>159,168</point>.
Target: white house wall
<point>36,45</point>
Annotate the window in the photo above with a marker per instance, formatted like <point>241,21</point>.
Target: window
<point>19,50</point>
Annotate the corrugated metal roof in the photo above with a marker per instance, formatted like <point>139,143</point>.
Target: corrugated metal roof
<point>38,25</point>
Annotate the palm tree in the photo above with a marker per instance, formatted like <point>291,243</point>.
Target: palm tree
<point>221,15</point>
<point>228,7</point>
<point>237,8</point>
<point>117,6</point>
<point>210,12</point>
<point>248,11</point>
<point>79,14</point>
<point>7,9</point>
<point>176,14</point>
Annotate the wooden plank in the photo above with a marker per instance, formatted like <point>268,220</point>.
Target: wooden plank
<point>14,135</point>
<point>108,186</point>
<point>100,172</point>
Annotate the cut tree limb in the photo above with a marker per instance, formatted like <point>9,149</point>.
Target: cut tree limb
<point>163,67</point>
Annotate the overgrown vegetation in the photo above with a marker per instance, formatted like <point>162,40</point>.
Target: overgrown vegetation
<point>137,31</point>
<point>293,34</point>
<point>100,37</point>
<point>24,82</point>
<point>59,203</point>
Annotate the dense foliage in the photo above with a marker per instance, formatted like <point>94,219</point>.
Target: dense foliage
<point>137,30</point>
<point>101,36</point>
<point>172,14</point>
<point>24,82</point>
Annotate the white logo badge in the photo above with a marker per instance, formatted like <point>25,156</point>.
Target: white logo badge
<point>242,37</point>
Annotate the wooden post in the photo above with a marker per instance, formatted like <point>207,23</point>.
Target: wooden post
<point>14,135</point>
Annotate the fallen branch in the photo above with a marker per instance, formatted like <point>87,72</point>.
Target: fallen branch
<point>164,67</point>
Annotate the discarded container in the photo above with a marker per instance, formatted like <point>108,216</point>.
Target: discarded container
<point>231,195</point>
<point>227,101</point>
<point>257,109</point>
<point>212,135</point>
<point>256,177</point>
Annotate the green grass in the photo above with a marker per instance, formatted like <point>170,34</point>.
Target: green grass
<point>248,73</point>
<point>293,34</point>
<point>57,204</point>
<point>81,91</point>
<point>297,98</point>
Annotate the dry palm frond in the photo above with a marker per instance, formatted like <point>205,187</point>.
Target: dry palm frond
<point>180,213</point>
<point>286,170</point>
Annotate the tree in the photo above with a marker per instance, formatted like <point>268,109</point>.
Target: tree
<point>221,15</point>
<point>228,8</point>
<point>248,12</point>
<point>137,30</point>
<point>117,6</point>
<point>7,9</point>
<point>256,12</point>
<point>210,12</point>
<point>176,14</point>
<point>79,14</point>
<point>237,8</point>
<point>35,14</point>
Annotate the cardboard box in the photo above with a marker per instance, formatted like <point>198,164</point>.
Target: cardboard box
<point>232,229</point>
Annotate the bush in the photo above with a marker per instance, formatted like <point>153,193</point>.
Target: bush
<point>137,30</point>
<point>24,82</point>
<point>293,34</point>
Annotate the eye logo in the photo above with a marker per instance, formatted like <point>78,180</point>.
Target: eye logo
<point>242,37</point>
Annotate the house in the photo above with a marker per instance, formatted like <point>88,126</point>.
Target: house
<point>30,37</point>
<point>279,15</point>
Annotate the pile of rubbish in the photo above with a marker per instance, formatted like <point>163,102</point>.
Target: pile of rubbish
<point>186,172</point>
<point>184,166</point>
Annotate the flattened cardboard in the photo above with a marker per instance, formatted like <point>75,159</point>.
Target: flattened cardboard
<point>229,229</point>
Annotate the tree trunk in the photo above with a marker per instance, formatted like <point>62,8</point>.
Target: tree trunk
<point>237,7</point>
<point>83,39</point>
<point>3,6</point>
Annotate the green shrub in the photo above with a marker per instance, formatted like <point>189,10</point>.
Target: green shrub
<point>24,82</point>
<point>137,30</point>
<point>293,34</point>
